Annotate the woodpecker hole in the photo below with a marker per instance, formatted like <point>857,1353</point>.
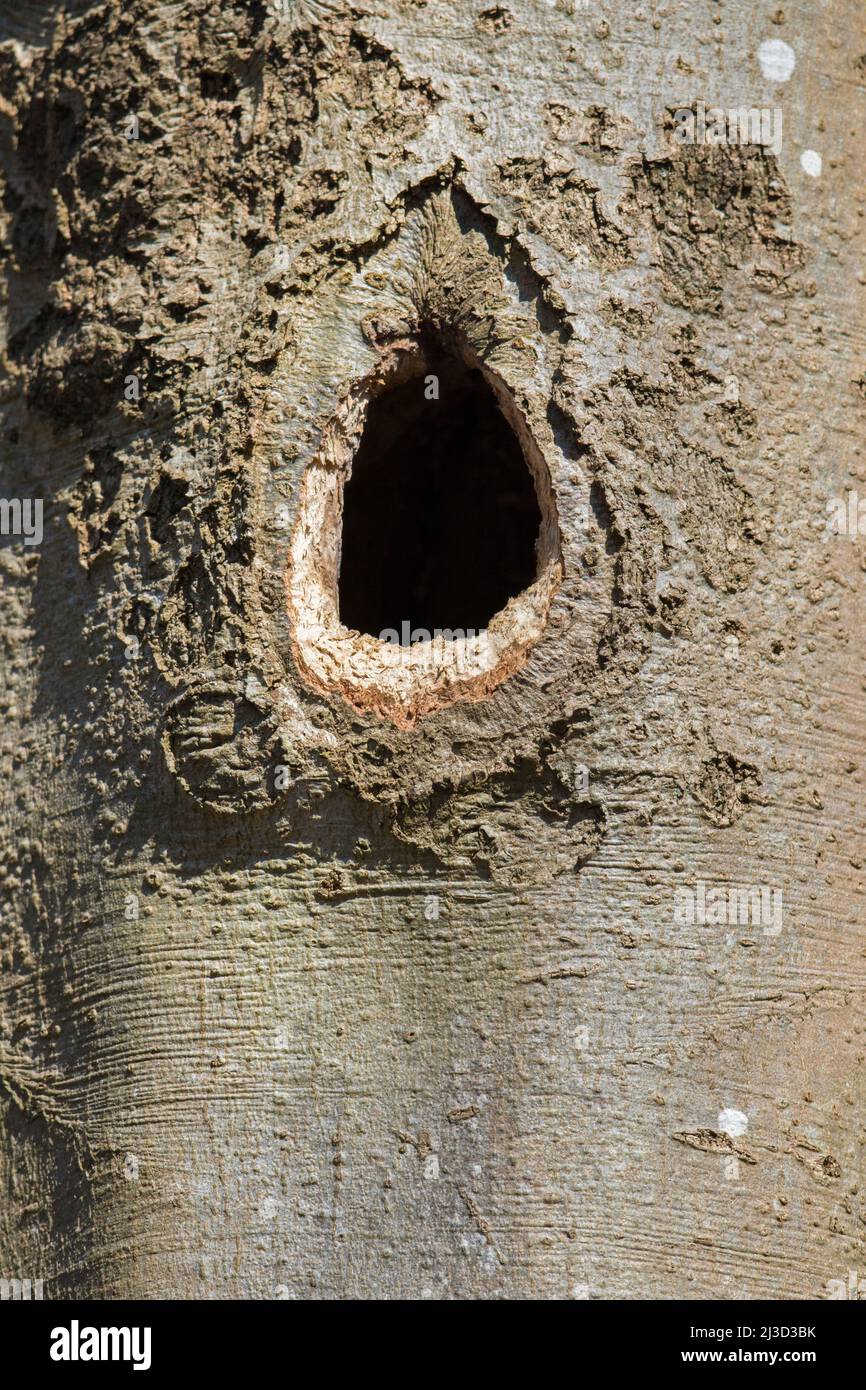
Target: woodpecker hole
<point>427,550</point>
<point>441,520</point>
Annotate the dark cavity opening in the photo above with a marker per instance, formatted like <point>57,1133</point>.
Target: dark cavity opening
<point>440,515</point>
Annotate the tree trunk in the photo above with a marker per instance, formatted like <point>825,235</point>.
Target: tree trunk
<point>528,963</point>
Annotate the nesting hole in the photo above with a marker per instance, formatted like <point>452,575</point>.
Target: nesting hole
<point>441,520</point>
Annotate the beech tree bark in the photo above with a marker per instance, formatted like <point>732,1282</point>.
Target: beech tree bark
<point>327,981</point>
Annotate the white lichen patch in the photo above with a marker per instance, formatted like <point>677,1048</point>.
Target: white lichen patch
<point>777,60</point>
<point>733,1123</point>
<point>811,163</point>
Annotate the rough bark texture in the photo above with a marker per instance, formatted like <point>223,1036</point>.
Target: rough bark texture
<point>418,1018</point>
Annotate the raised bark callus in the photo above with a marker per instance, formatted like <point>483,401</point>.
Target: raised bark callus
<point>541,980</point>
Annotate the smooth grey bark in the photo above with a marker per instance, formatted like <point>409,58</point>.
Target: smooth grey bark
<point>303,999</point>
